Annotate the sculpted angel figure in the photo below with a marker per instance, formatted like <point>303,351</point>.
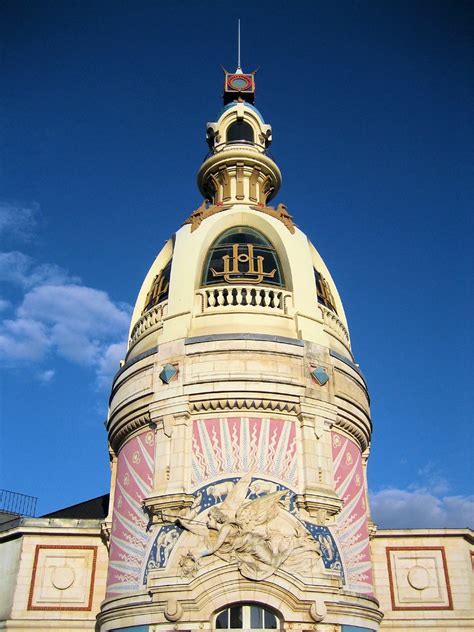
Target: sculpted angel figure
<point>254,533</point>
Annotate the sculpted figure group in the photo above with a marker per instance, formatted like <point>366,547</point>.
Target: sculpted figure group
<point>259,534</point>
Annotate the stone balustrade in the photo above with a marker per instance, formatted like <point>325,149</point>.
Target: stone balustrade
<point>248,297</point>
<point>332,322</point>
<point>149,321</point>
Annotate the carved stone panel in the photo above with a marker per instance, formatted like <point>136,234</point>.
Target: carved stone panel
<point>419,578</point>
<point>63,577</point>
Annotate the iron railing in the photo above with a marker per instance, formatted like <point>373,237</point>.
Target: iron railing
<point>21,504</point>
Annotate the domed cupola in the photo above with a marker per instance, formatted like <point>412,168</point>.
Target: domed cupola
<point>239,167</point>
<point>238,265</point>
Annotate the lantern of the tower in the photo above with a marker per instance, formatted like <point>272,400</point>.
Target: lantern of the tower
<point>239,423</point>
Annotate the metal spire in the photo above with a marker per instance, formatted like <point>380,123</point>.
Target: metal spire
<point>239,67</point>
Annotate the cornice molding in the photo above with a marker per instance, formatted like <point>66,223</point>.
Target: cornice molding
<point>225,404</point>
<point>118,436</point>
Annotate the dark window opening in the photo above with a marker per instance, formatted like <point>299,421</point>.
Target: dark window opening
<point>325,296</point>
<point>243,256</point>
<point>159,288</point>
<point>240,130</point>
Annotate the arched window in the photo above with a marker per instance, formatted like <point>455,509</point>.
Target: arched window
<point>159,288</point>
<point>240,130</point>
<point>242,255</point>
<point>246,617</point>
<point>325,296</point>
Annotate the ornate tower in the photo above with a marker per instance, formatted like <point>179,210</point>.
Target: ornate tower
<point>239,423</point>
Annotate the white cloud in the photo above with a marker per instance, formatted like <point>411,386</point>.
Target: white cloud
<point>81,321</point>
<point>109,362</point>
<point>23,340</point>
<point>420,508</point>
<point>57,316</point>
<point>17,220</point>
<point>74,322</point>
<point>20,269</point>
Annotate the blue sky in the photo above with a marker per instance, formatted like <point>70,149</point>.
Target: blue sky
<point>103,121</point>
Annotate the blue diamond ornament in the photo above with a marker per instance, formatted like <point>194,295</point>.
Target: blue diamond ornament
<point>168,372</point>
<point>320,375</point>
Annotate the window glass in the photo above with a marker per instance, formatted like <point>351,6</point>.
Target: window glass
<point>222,620</point>
<point>325,296</point>
<point>270,621</point>
<point>159,288</point>
<point>236,617</point>
<point>240,130</point>
<point>242,256</point>
<point>256,618</point>
<point>246,617</point>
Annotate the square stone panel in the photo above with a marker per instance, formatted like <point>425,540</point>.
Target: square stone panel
<point>63,577</point>
<point>419,578</point>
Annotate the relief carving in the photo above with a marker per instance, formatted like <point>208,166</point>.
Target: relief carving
<point>259,534</point>
<point>280,213</point>
<point>203,212</point>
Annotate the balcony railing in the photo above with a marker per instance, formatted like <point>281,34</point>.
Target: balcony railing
<point>21,504</point>
<point>149,321</point>
<point>247,297</point>
<point>332,322</point>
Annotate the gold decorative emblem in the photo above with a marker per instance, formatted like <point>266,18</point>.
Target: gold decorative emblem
<point>232,272</point>
<point>207,210</point>
<point>324,292</point>
<point>158,289</point>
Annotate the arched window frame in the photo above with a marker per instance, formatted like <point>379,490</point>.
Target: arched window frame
<point>246,616</point>
<point>260,246</point>
<point>240,131</point>
<point>323,291</point>
<point>159,289</point>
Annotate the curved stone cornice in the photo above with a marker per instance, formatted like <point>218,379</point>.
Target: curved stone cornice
<point>118,435</point>
<point>225,404</point>
<point>354,429</point>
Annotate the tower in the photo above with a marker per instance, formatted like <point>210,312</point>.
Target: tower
<point>239,424</point>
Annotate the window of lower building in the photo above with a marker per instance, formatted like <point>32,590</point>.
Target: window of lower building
<point>246,617</point>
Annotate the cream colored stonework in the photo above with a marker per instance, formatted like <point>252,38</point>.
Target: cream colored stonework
<point>424,578</point>
<point>57,574</point>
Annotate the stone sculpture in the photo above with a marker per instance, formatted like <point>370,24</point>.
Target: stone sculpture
<point>260,535</point>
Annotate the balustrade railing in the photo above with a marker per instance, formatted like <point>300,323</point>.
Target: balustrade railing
<point>150,320</point>
<point>249,297</point>
<point>332,322</point>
